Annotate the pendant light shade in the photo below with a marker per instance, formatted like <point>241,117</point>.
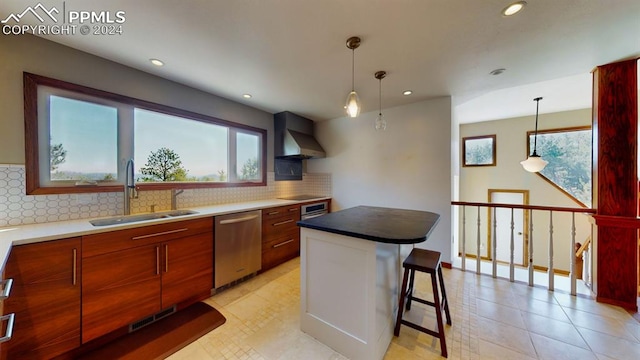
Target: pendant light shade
<point>381,123</point>
<point>353,104</point>
<point>534,162</point>
<point>353,101</point>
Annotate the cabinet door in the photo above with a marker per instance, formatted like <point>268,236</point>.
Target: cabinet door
<point>187,273</point>
<point>119,288</point>
<point>45,298</point>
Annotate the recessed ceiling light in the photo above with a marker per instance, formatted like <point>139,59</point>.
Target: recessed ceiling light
<point>497,71</point>
<point>407,92</point>
<point>246,96</point>
<point>513,8</point>
<point>156,62</point>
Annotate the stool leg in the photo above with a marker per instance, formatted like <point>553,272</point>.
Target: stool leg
<point>396,331</point>
<point>410,290</point>
<point>444,296</point>
<point>436,301</point>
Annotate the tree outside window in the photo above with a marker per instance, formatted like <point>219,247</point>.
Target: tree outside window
<point>568,152</point>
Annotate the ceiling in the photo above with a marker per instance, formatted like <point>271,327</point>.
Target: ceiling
<point>291,54</point>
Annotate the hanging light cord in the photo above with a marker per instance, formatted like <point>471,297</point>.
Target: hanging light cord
<point>380,96</point>
<point>353,69</point>
<point>535,136</point>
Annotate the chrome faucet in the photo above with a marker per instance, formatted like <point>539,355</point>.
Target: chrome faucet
<point>130,191</point>
<point>174,200</point>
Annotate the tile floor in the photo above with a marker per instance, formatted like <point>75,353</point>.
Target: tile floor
<point>492,319</point>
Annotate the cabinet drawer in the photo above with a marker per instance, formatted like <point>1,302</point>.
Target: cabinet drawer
<point>279,224</point>
<point>278,240</point>
<point>107,242</point>
<point>277,255</point>
<point>280,211</point>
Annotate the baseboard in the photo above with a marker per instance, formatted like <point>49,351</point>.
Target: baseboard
<point>446,265</point>
<point>555,271</point>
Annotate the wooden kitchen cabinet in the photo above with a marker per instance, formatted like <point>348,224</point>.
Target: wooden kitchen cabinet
<point>187,269</point>
<point>45,298</point>
<point>131,274</point>
<point>119,288</point>
<point>280,235</point>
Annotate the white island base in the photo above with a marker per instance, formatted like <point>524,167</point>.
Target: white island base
<point>349,292</point>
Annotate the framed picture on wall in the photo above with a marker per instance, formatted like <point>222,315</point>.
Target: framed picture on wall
<point>479,150</point>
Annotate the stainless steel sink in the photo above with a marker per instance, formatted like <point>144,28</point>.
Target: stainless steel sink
<point>142,217</point>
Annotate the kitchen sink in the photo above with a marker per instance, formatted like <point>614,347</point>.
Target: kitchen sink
<point>142,217</point>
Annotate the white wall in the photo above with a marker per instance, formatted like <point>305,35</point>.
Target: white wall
<point>406,166</point>
<point>508,174</point>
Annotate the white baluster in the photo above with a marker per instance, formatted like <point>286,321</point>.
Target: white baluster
<point>530,247</point>
<point>478,244</point>
<point>464,238</point>
<point>573,253</point>
<point>511,250</point>
<point>551,276</point>
<point>494,261</point>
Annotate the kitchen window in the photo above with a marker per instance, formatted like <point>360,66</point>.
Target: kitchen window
<point>79,139</point>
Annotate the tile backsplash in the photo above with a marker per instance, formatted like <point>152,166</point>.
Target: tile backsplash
<point>16,208</point>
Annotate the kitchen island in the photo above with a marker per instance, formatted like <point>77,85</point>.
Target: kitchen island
<point>350,264</point>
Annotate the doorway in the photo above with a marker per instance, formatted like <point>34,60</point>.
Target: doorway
<point>502,235</point>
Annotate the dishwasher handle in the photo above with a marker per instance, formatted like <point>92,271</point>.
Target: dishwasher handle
<point>237,220</point>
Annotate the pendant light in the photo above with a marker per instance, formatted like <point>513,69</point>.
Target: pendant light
<point>534,162</point>
<point>381,123</point>
<point>353,101</point>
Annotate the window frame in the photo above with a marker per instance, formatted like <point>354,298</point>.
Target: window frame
<point>31,82</point>
<point>468,163</point>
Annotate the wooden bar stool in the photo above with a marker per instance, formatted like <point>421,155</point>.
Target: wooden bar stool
<point>428,262</point>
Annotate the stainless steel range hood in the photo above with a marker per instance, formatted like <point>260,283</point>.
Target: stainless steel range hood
<point>294,137</point>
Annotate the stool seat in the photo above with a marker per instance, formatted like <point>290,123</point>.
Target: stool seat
<point>426,261</point>
<point>422,260</point>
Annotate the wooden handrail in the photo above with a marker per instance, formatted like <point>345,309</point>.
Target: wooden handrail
<point>583,247</point>
<point>526,207</point>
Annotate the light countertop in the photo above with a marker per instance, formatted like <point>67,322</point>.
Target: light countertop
<point>33,233</point>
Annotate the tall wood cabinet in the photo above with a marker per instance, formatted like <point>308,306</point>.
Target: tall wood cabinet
<point>45,298</point>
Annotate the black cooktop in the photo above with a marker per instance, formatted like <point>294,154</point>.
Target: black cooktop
<point>300,197</point>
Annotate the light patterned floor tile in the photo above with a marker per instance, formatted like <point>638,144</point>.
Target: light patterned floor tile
<point>492,319</point>
<point>554,329</point>
<point>550,349</point>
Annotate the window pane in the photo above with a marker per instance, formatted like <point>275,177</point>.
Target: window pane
<point>83,140</point>
<point>171,148</point>
<point>248,156</point>
<point>569,156</point>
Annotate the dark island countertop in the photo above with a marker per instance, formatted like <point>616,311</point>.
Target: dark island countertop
<point>387,225</point>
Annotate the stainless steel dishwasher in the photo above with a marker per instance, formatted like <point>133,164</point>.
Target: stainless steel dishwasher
<point>238,246</point>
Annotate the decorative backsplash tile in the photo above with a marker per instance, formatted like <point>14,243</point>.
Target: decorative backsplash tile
<point>16,208</point>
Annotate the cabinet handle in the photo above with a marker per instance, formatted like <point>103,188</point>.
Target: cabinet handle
<point>273,213</point>
<point>166,257</point>
<point>283,222</point>
<point>159,234</point>
<point>282,243</point>
<point>157,260</point>
<point>75,264</point>
<point>237,220</point>
<point>293,209</point>
<point>6,288</point>
<point>9,332</point>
